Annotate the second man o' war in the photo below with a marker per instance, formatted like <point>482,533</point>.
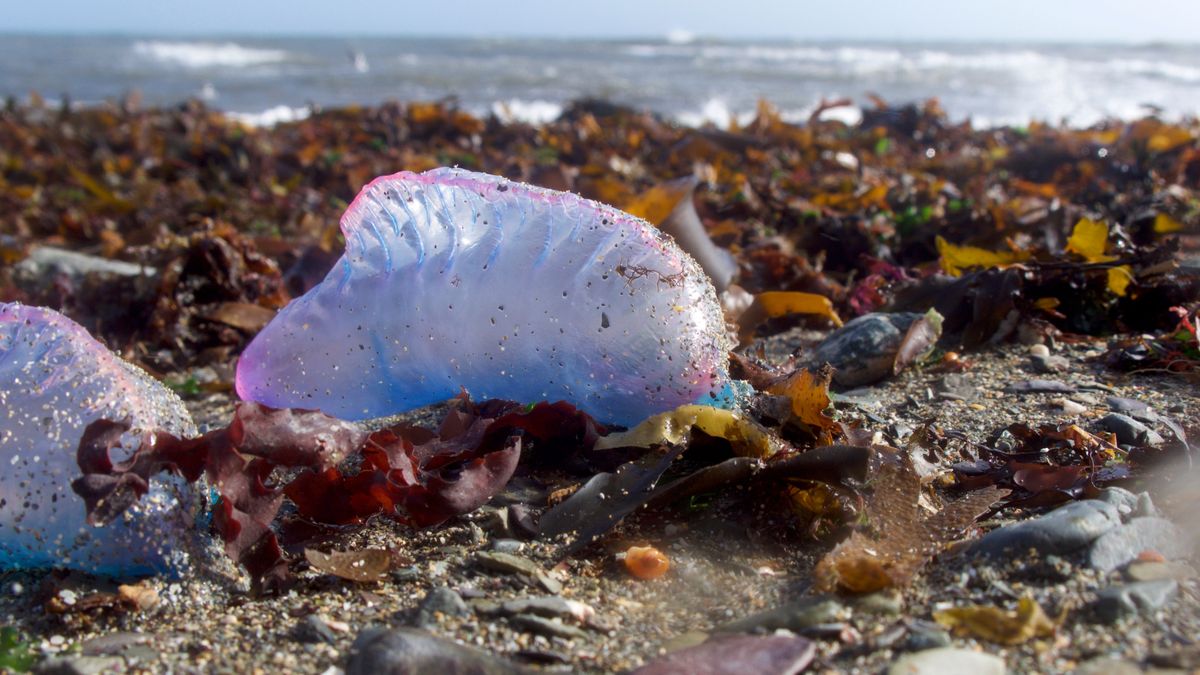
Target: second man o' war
<point>457,280</point>
<point>55,380</point>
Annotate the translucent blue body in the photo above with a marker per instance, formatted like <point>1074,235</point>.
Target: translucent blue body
<point>55,379</point>
<point>455,280</point>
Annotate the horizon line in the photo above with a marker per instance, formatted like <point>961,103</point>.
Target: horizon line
<point>599,37</point>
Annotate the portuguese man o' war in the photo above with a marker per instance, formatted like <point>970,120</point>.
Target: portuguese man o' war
<point>55,379</point>
<point>457,280</point>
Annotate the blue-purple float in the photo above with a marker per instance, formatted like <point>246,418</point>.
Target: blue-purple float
<point>456,280</point>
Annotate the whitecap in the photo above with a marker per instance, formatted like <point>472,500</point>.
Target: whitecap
<point>207,54</point>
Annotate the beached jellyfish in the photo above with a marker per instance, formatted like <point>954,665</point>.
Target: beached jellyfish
<point>55,379</point>
<point>453,280</point>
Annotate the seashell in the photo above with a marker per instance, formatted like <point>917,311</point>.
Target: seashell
<point>453,279</point>
<point>55,380</point>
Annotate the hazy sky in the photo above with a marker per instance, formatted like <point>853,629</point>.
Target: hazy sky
<point>1065,20</point>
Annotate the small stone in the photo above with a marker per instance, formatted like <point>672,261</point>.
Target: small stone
<point>1159,571</point>
<point>1144,508</point>
<point>114,643</point>
<point>1049,364</point>
<point>378,651</point>
<point>313,629</point>
<point>685,640</point>
<point>405,574</point>
<point>1130,431</point>
<point>1123,544</point>
<point>548,627</point>
<point>80,665</point>
<point>957,386</point>
<point>1136,409</point>
<point>925,635</point>
<point>1108,666</point>
<point>1125,501</point>
<point>1063,530</point>
<point>795,616</point>
<point>495,521</point>
<point>1069,407</point>
<point>1040,387</point>
<point>506,563</point>
<point>1143,597</point>
<point>863,350</point>
<point>550,606</point>
<point>508,545</point>
<point>1039,350</point>
<point>880,604</point>
<point>440,601</point>
<point>947,660</point>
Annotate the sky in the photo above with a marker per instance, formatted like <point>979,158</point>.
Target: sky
<point>962,20</point>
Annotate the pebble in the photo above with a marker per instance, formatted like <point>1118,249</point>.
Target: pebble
<point>1132,407</point>
<point>1141,597</point>
<point>1105,665</point>
<point>440,601</point>
<point>1069,407</point>
<point>548,627</point>
<point>1049,364</point>
<point>506,563</point>
<point>1039,350</point>
<point>880,604</point>
<point>379,651</point>
<point>80,665</point>
<point>1063,530</point>
<point>549,606</point>
<point>1040,387</point>
<point>1130,431</point>
<point>957,385</point>
<point>508,545</point>
<point>405,574</point>
<point>947,660</point>
<point>795,616</point>
<point>863,350</point>
<point>925,635</point>
<point>313,629</point>
<point>46,262</point>
<point>113,643</point>
<point>1122,545</point>
<point>1125,501</point>
<point>1158,571</point>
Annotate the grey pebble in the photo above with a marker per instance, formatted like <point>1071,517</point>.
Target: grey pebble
<point>947,660</point>
<point>1130,431</point>
<point>313,629</point>
<point>925,635</point>
<point>864,349</point>
<point>548,627</point>
<point>548,606</point>
<point>1123,544</point>
<point>1158,571</point>
<point>508,545</point>
<point>1141,597</point>
<point>1049,364</point>
<point>1108,666</point>
<point>506,563</point>
<point>880,604</point>
<point>114,643</point>
<point>1064,530</point>
<point>379,651</point>
<point>80,665</point>
<point>443,601</point>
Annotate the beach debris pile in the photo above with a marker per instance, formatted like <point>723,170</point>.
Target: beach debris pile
<point>908,242</point>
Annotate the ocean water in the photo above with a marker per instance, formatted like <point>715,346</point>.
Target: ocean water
<point>269,80</point>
